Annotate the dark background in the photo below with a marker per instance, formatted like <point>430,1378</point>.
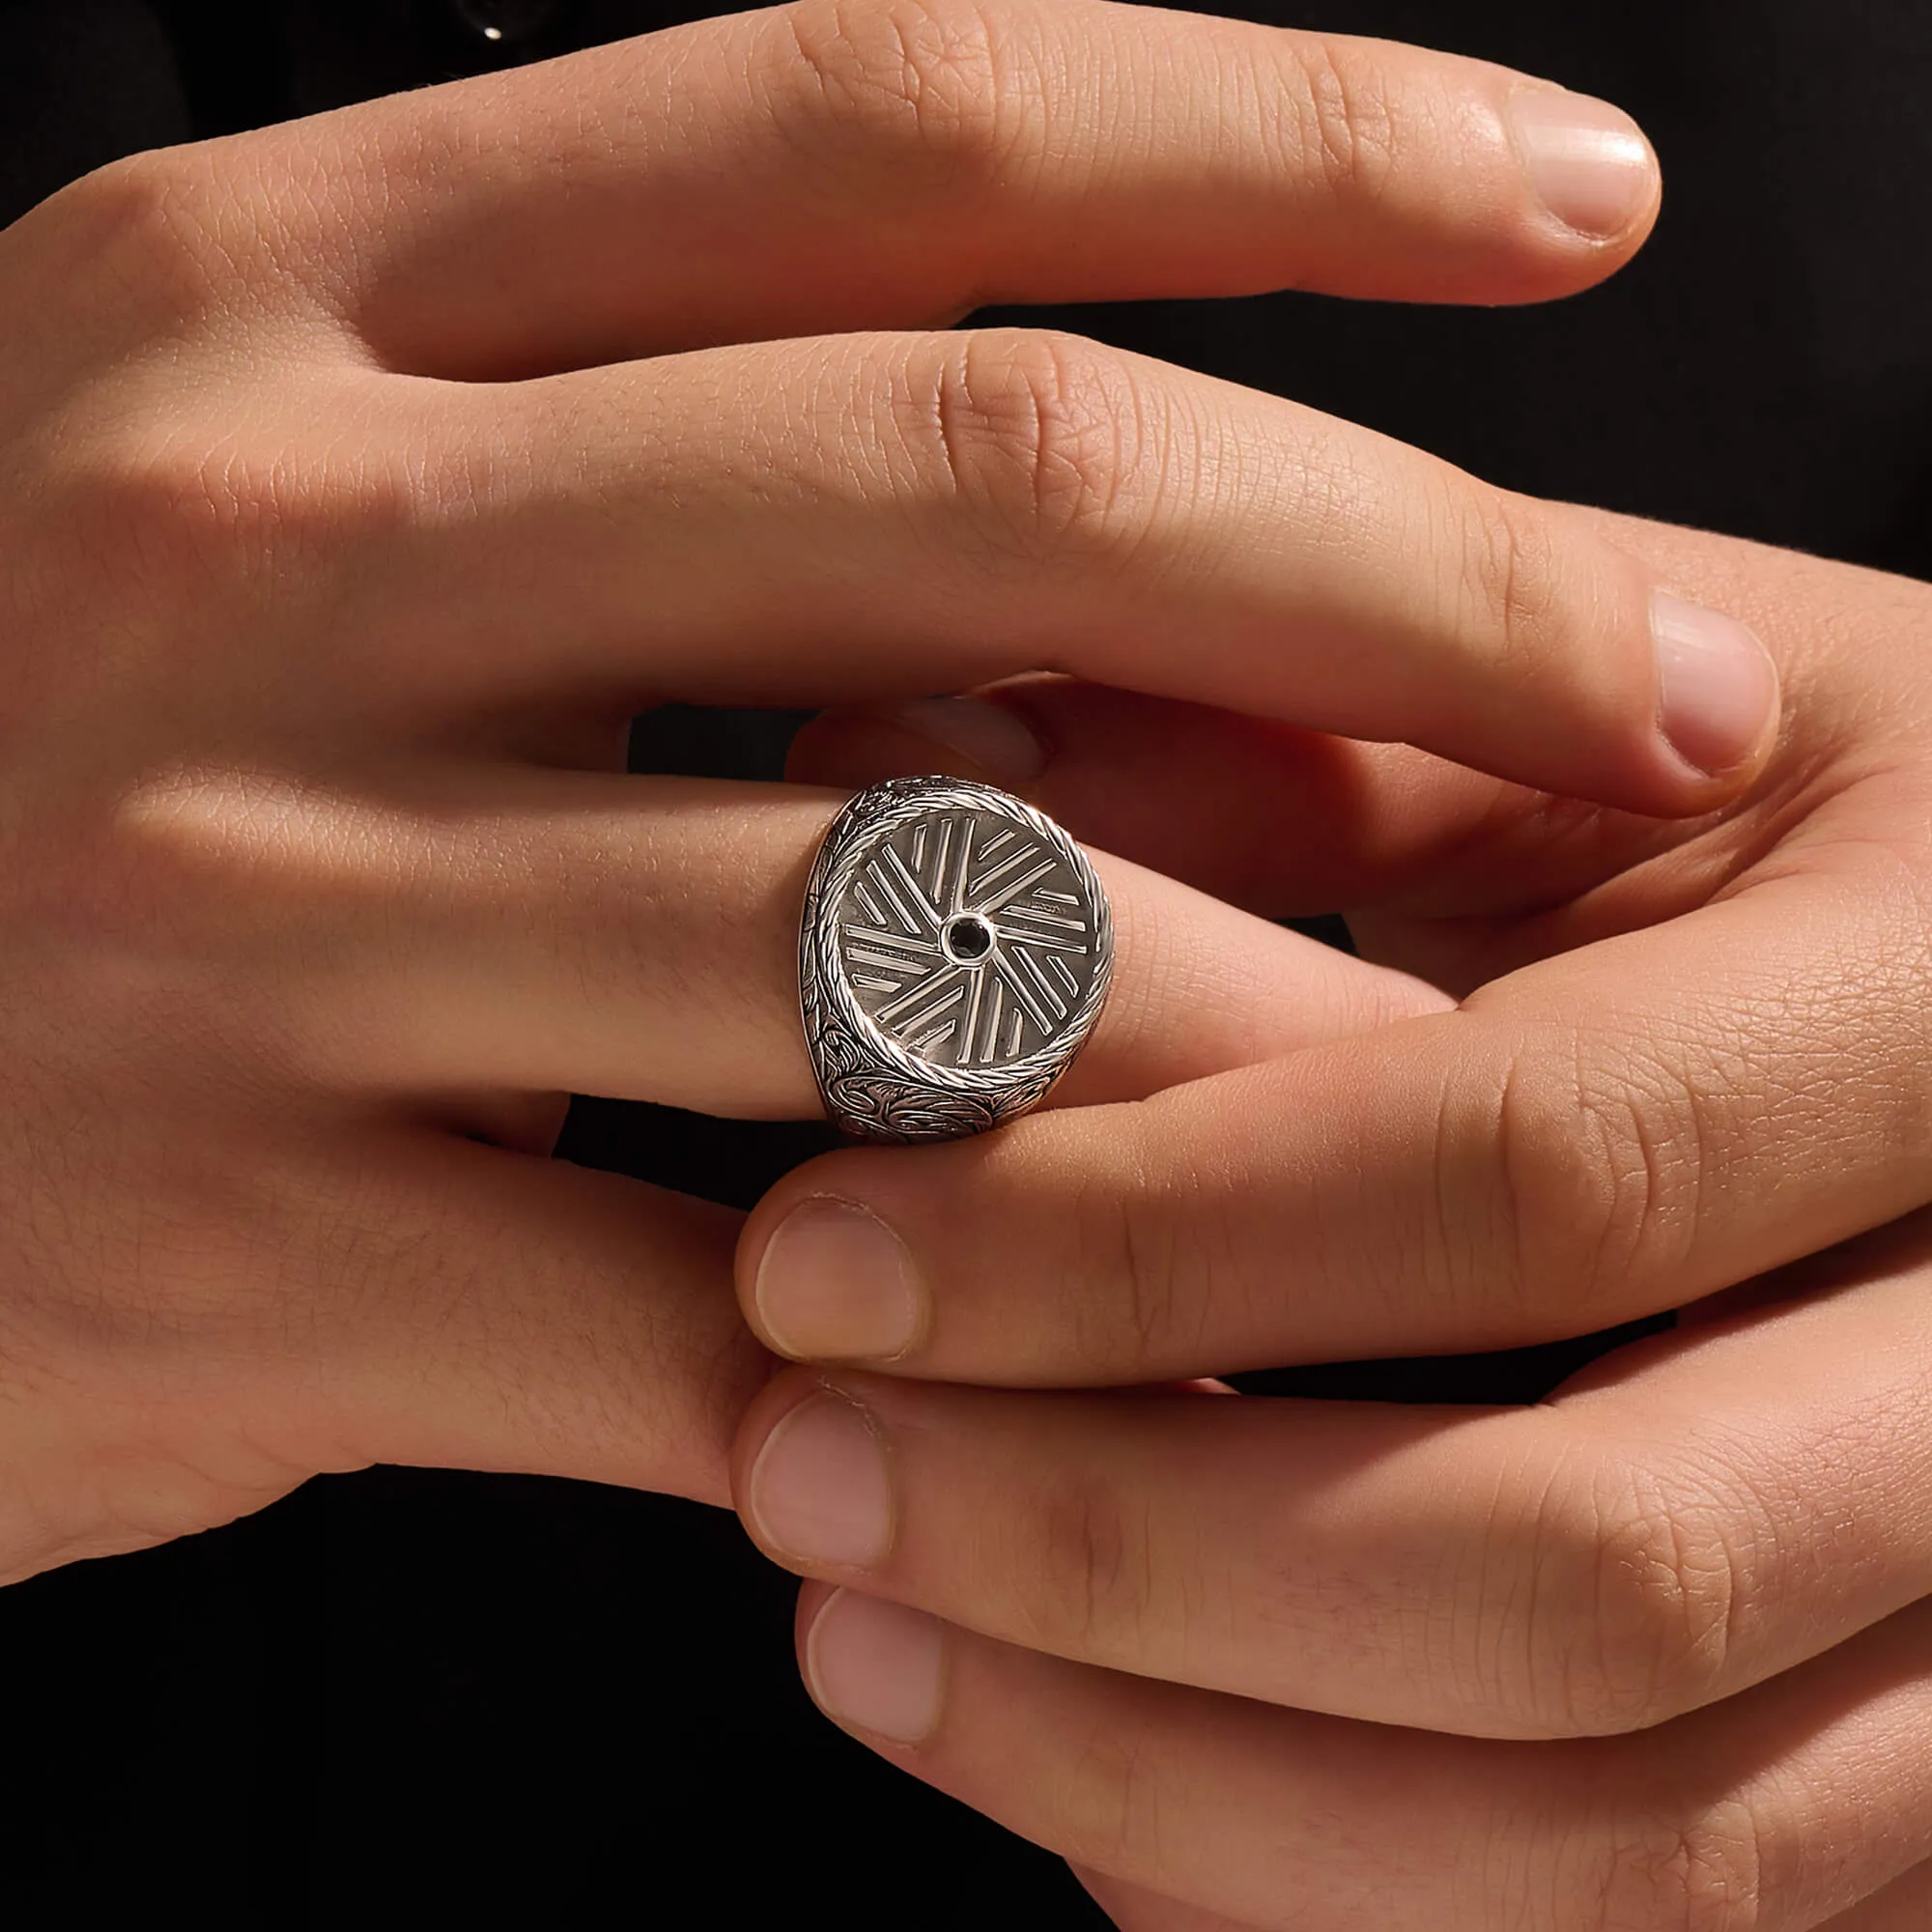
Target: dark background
<point>436,1697</point>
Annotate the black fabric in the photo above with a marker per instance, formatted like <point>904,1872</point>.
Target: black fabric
<point>444,1698</point>
<point>81,84</point>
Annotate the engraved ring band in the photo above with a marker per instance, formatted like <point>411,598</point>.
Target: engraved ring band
<point>954,953</point>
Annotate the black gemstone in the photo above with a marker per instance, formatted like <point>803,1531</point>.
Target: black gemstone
<point>968,937</point>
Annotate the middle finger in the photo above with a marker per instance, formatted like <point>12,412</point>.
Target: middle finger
<point>1703,1512</point>
<point>892,515</point>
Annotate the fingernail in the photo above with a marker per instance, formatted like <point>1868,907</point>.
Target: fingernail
<point>1587,161</point>
<point>820,1493</point>
<point>836,1284</point>
<point>876,1666</point>
<point>989,736</point>
<point>1717,686</point>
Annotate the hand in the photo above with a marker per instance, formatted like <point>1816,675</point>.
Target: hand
<point>345,524</point>
<point>1659,1650</point>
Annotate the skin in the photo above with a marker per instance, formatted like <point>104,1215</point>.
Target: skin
<point>363,476</point>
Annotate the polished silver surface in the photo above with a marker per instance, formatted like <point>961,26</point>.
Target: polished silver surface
<point>954,953</point>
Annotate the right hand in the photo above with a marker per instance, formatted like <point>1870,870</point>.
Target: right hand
<point>362,477</point>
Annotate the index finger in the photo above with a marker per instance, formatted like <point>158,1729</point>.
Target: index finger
<point>1602,1136</point>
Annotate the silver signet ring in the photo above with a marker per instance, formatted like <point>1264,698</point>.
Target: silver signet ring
<point>956,951</point>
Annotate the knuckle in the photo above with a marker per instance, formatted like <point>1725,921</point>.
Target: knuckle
<point>1094,1588</point>
<point>1634,1580</point>
<point>1687,1866</point>
<point>1042,443</point>
<point>927,87</point>
<point>186,832</point>
<point>1345,122</point>
<point>178,526</point>
<point>152,891</point>
<point>173,509</point>
<point>1511,585</point>
<point>1625,1843</point>
<point>1154,1261</point>
<point>1600,1171</point>
<point>147,227</point>
<point>1121,1814</point>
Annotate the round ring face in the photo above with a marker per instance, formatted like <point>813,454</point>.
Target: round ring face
<point>956,952</point>
<point>966,939</point>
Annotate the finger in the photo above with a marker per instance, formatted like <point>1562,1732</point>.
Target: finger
<point>1178,787</point>
<point>836,165</point>
<point>1773,1811</point>
<point>933,511</point>
<point>457,927</point>
<point>1605,1135</point>
<point>1713,1512</point>
<point>1449,873</point>
<point>458,1306</point>
<point>371,1291</point>
<point>1181,787</point>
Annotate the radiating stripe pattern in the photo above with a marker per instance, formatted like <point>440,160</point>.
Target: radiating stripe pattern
<point>966,939</point>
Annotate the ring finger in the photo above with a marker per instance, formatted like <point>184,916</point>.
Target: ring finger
<point>458,927</point>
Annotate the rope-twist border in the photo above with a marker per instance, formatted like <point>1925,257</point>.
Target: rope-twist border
<point>870,1084</point>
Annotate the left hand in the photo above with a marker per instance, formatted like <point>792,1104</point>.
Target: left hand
<point>1657,1652</point>
<point>362,477</point>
